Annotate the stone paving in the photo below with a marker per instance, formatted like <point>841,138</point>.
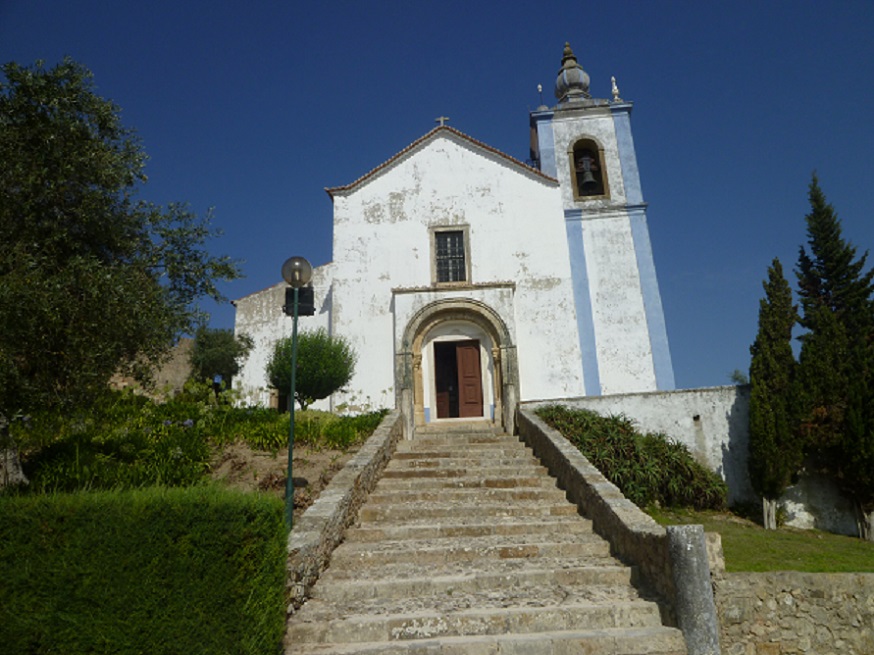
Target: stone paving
<point>467,547</point>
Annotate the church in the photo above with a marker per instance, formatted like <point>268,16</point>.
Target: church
<point>468,281</point>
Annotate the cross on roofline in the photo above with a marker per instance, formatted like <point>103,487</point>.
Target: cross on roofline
<point>442,120</point>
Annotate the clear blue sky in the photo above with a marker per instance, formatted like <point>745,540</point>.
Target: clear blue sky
<point>254,107</point>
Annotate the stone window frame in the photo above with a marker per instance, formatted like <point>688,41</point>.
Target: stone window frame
<point>465,235</point>
<point>590,143</point>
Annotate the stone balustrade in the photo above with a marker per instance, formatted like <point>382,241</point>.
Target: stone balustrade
<point>318,532</point>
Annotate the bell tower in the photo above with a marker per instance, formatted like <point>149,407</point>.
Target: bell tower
<point>586,144</point>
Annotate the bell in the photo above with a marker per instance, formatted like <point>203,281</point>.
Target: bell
<point>589,182</point>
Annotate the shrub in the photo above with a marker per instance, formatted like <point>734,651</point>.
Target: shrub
<point>127,441</point>
<point>647,468</point>
<point>122,441</point>
<point>325,364</point>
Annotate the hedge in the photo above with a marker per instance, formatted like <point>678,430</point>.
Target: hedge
<point>198,570</point>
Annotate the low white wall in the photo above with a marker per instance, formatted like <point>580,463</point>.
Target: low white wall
<point>711,422</point>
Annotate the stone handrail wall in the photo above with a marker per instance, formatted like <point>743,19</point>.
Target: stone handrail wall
<point>634,536</point>
<point>791,612</point>
<point>320,530</point>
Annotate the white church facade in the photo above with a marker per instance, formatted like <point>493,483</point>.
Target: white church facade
<point>468,281</point>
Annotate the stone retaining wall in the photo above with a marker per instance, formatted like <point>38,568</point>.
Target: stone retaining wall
<point>320,530</point>
<point>633,535</point>
<point>800,613</point>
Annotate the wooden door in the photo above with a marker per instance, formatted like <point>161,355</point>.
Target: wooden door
<point>470,383</point>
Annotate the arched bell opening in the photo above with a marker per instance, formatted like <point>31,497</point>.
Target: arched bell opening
<point>457,362</point>
<point>588,173</point>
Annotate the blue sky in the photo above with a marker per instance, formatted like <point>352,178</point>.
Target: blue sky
<point>253,108</point>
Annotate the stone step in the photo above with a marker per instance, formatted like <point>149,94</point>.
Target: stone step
<point>420,461</point>
<point>437,552</point>
<point>455,444</point>
<point>509,472</point>
<point>467,547</point>
<point>467,481</point>
<point>612,641</point>
<point>467,527</point>
<point>457,440</point>
<point>597,581</point>
<point>412,570</point>
<point>466,494</point>
<point>459,425</point>
<point>454,600</point>
<point>315,624</point>
<point>423,509</point>
<point>481,455</point>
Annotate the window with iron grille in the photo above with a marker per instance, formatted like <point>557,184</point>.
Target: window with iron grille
<point>449,256</point>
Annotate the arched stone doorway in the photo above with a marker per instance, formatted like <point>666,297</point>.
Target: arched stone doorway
<point>477,338</point>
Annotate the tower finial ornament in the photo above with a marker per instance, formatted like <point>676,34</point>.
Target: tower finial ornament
<point>616,97</point>
<point>572,82</point>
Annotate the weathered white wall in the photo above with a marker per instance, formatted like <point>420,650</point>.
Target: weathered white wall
<point>520,261</point>
<point>382,241</point>
<point>711,422</point>
<point>618,317</point>
<point>260,316</point>
<point>625,361</point>
<point>816,501</point>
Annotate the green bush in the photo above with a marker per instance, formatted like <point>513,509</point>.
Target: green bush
<point>153,571</point>
<point>126,441</point>
<point>123,441</point>
<point>647,468</point>
<point>325,364</point>
<point>323,430</point>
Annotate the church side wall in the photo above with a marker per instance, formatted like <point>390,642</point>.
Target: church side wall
<point>260,316</point>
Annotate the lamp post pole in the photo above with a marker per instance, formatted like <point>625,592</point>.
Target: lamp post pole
<point>297,272</point>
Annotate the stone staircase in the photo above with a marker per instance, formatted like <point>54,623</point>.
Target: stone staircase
<point>467,547</point>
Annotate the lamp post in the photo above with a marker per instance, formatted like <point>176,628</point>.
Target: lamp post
<point>297,272</point>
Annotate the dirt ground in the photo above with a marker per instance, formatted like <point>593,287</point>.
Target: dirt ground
<point>242,468</point>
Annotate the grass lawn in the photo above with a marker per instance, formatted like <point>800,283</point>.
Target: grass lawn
<point>749,547</point>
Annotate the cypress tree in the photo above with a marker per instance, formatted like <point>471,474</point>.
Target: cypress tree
<point>857,461</point>
<point>835,379</point>
<point>775,452</point>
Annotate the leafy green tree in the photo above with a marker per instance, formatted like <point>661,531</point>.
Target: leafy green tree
<point>775,451</point>
<point>218,352</point>
<point>93,281</point>
<point>738,377</point>
<point>835,381</point>
<point>325,364</point>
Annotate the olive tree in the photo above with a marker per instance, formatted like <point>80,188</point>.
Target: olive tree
<point>218,352</point>
<point>93,280</point>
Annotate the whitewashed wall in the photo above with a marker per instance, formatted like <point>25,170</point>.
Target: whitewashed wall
<point>382,241</point>
<point>260,316</point>
<point>712,422</point>
<point>602,228</point>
